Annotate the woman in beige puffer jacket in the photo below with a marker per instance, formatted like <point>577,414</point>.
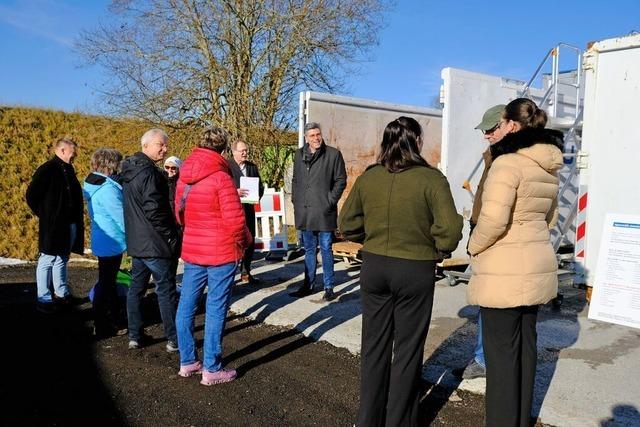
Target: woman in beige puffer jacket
<point>514,265</point>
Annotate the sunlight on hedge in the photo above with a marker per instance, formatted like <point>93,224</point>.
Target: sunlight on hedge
<point>26,137</point>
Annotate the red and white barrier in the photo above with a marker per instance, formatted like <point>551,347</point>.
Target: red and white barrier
<point>271,233</point>
<point>581,224</point>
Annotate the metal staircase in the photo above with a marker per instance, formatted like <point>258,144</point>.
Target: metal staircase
<point>563,102</point>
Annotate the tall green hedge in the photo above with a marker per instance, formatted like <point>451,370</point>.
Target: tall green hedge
<point>26,138</point>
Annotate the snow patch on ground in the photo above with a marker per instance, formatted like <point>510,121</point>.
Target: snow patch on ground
<point>12,261</point>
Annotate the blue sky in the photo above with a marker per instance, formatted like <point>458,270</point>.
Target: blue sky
<point>506,38</point>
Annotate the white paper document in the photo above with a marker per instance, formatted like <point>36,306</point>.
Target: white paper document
<point>616,289</point>
<point>252,185</point>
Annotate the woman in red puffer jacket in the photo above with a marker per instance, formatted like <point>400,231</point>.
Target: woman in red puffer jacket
<point>215,237</point>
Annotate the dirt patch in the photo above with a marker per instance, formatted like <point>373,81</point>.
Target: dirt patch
<point>57,374</point>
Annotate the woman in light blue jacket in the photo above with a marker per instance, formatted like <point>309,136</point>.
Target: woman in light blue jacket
<point>104,201</point>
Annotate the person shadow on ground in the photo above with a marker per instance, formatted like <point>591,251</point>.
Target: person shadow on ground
<point>329,315</point>
<point>442,371</point>
<point>50,375</point>
<point>622,415</point>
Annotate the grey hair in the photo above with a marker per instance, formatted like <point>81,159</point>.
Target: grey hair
<point>106,161</point>
<point>151,133</point>
<point>312,125</point>
<point>65,140</point>
<point>235,143</point>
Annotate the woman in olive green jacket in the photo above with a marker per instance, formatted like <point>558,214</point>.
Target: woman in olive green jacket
<point>402,210</point>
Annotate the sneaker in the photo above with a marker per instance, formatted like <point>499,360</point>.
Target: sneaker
<point>474,370</point>
<point>172,347</point>
<point>218,377</point>
<point>46,307</point>
<point>190,369</point>
<point>64,301</point>
<point>135,344</point>
<point>328,295</point>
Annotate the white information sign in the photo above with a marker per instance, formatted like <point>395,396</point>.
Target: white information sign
<point>616,290</point>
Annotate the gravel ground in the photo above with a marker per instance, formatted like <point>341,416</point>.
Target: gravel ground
<point>58,374</point>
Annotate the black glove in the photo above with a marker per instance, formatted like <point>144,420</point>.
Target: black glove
<point>471,227</point>
<point>174,245</point>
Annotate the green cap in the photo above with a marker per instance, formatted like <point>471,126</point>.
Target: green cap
<point>491,117</point>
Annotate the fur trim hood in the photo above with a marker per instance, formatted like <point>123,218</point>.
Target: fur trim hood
<point>544,146</point>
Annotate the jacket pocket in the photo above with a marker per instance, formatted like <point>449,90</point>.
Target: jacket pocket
<point>330,205</point>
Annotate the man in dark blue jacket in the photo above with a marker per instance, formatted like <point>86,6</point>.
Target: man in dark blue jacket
<point>319,178</point>
<point>152,238</point>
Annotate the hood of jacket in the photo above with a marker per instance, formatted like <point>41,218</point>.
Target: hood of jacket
<point>543,146</point>
<point>94,181</point>
<point>134,165</point>
<point>200,164</point>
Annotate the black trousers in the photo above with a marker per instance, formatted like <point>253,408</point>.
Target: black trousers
<point>247,258</point>
<point>510,352</point>
<point>397,298</point>
<point>105,297</point>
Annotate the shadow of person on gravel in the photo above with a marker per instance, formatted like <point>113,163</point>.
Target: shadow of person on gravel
<point>265,306</point>
<point>442,370</point>
<point>49,375</point>
<point>279,300</point>
<point>345,307</point>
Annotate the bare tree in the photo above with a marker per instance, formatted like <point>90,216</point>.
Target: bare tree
<point>235,63</point>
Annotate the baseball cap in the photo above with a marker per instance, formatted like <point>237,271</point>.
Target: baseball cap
<point>491,117</point>
<point>173,161</point>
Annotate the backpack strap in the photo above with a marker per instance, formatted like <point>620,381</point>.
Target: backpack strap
<point>183,203</point>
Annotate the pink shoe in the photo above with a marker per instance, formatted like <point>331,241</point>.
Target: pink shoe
<point>218,377</point>
<point>190,369</point>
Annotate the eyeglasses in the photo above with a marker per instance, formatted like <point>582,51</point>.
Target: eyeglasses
<point>171,168</point>
<point>493,129</point>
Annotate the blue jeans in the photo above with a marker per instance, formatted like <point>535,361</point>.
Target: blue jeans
<point>311,240</point>
<point>53,268</point>
<point>219,280</point>
<point>163,275</point>
<point>479,351</point>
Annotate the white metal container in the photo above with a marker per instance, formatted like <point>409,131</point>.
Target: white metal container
<point>610,155</point>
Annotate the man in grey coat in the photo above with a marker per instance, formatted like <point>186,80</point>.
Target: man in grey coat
<point>319,178</point>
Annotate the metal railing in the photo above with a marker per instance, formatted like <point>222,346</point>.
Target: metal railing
<point>552,90</point>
